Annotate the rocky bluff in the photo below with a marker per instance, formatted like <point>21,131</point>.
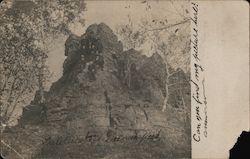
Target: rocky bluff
<point>108,92</point>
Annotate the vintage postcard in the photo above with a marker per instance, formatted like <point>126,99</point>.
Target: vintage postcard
<point>122,79</point>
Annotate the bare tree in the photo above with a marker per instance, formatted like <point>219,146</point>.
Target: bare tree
<point>170,40</point>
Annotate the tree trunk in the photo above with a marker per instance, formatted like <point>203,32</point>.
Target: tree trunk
<point>165,103</point>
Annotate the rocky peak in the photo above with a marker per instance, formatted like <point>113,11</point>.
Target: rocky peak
<point>102,32</point>
<point>110,92</point>
<point>98,45</point>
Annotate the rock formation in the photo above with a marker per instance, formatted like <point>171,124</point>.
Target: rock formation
<point>107,105</point>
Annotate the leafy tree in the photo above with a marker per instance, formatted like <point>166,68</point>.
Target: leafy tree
<point>26,28</point>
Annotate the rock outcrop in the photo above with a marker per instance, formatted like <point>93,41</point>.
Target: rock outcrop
<point>108,104</point>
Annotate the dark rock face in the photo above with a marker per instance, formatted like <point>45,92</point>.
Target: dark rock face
<point>110,102</point>
<point>100,79</point>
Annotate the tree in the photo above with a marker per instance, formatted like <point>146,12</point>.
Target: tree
<point>170,40</point>
<point>26,29</point>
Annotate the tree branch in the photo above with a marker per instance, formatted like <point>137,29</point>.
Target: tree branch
<point>171,25</point>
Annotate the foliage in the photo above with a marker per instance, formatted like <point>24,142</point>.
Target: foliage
<point>25,29</point>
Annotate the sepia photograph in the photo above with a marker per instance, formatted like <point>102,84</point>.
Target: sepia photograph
<point>95,79</point>
<point>123,79</point>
